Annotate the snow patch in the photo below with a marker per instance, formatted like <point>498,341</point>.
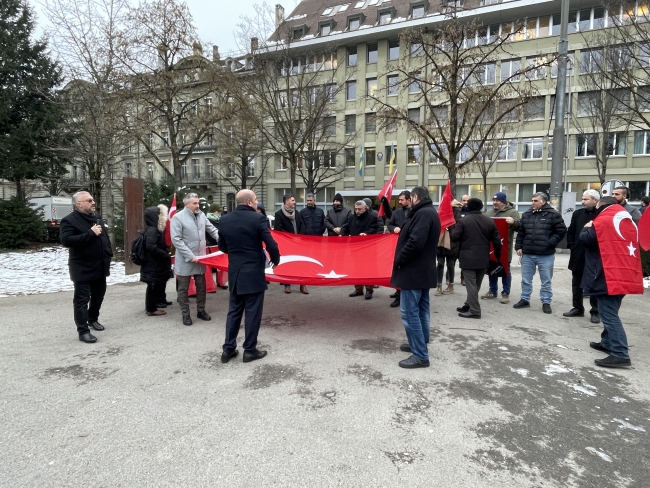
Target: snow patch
<point>627,425</point>
<point>553,369</point>
<point>503,348</point>
<point>520,371</point>
<point>297,17</point>
<point>601,455</point>
<point>646,282</point>
<point>619,400</point>
<point>561,346</point>
<point>586,388</point>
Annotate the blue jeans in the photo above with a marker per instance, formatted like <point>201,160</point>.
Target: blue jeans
<point>506,280</point>
<point>414,305</point>
<point>613,336</point>
<point>545,264</point>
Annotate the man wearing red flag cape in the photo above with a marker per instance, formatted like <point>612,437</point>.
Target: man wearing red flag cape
<point>612,270</point>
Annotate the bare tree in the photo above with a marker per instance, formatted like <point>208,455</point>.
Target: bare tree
<point>178,95</point>
<point>451,72</point>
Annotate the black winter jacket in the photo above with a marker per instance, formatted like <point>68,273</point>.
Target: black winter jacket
<point>283,223</point>
<point>313,219</point>
<point>366,223</point>
<point>578,220</point>
<point>157,267</point>
<point>540,231</point>
<point>475,231</point>
<point>414,265</point>
<point>398,219</point>
<point>90,254</point>
<point>336,218</point>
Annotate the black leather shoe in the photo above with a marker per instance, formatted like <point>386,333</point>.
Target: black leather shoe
<point>161,305</point>
<point>405,347</point>
<point>394,295</point>
<point>253,356</point>
<point>167,302</point>
<point>598,347</point>
<point>574,312</point>
<point>203,315</point>
<point>356,294</point>
<point>368,295</point>
<point>463,309</point>
<point>87,337</point>
<point>395,303</point>
<point>413,362</point>
<point>546,308</point>
<point>595,318</point>
<point>521,304</point>
<point>469,315</point>
<point>187,320</point>
<point>227,356</point>
<point>613,362</point>
<point>96,325</point>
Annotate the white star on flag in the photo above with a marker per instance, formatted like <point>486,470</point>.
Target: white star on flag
<point>632,249</point>
<point>332,274</point>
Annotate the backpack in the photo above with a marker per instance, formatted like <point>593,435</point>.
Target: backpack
<point>138,251</point>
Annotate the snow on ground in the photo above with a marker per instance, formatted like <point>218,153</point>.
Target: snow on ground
<point>44,271</point>
<point>646,282</point>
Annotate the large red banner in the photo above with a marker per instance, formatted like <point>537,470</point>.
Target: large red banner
<point>326,261</point>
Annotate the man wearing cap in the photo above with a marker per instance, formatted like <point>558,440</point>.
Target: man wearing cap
<point>361,223</point>
<point>502,208</point>
<point>336,216</point>
<point>577,260</point>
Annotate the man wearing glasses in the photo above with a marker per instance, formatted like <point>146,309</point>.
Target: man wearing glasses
<point>85,234</point>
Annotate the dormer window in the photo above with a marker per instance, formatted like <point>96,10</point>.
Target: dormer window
<point>419,8</point>
<point>298,32</point>
<point>384,16</point>
<point>325,27</point>
<point>355,22</point>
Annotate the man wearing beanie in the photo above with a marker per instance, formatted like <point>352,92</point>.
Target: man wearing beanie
<point>475,232</point>
<point>541,229</point>
<point>336,216</point>
<point>502,208</point>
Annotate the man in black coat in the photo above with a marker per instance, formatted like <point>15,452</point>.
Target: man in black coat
<point>414,273</point>
<point>288,220</point>
<point>241,234</point>
<point>85,234</point>
<point>475,232</point>
<point>361,223</point>
<point>336,216</point>
<point>313,218</point>
<point>540,231</point>
<point>577,260</point>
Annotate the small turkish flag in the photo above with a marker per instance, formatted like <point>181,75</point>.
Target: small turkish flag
<point>618,241</point>
<point>386,191</point>
<point>172,211</point>
<point>445,210</point>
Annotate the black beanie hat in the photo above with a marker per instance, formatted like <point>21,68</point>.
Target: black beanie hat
<point>474,204</point>
<point>338,197</point>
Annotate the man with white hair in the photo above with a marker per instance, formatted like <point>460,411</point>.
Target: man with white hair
<point>361,223</point>
<point>577,260</point>
<point>188,236</point>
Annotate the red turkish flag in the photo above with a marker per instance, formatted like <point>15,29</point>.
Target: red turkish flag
<point>172,212</point>
<point>387,191</point>
<point>618,240</point>
<point>502,227</point>
<point>326,261</point>
<point>445,210</point>
<point>644,231</point>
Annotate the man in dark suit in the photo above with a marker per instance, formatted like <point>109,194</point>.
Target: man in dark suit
<point>85,234</point>
<point>415,273</point>
<point>241,234</point>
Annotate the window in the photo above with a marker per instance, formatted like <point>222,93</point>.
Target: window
<point>590,60</point>
<point>350,124</point>
<point>535,68</point>
<point>510,69</point>
<point>351,90</point>
<point>127,170</point>
<point>508,150</point>
<point>417,11</point>
<point>209,139</point>
<point>543,26</point>
<point>392,84</point>
<point>329,126</point>
<point>534,108</point>
<point>414,115</point>
<point>416,49</point>
<point>196,168</point>
<point>584,20</point>
<point>208,105</point>
<point>569,66</point>
<point>414,85</point>
<point>555,24</point>
<point>585,145</point>
<point>599,18</point>
<point>352,56</point>
<point>209,168</point>
<point>616,143</point>
<point>486,74</point>
<point>324,28</point>
<point>230,170</point>
<point>354,23</point>
<point>413,154</point>
<point>573,22</point>
<point>531,148</point>
<point>567,106</point>
<point>588,103</point>
<point>372,52</point>
<point>165,139</point>
<point>641,142</point>
<point>349,156</point>
<point>371,122</point>
<point>150,171</point>
<point>391,126</point>
<point>330,92</point>
<point>371,87</point>
<point>250,167</point>
<point>370,156</point>
<point>184,170</point>
<point>530,28</point>
<point>385,17</point>
<point>328,159</point>
<point>393,49</point>
<point>298,32</point>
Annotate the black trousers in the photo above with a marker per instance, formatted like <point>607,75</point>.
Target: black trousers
<point>252,304</point>
<point>451,265</point>
<point>155,295</point>
<point>576,280</point>
<point>87,300</point>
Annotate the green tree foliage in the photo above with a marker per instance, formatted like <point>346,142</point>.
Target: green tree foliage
<point>157,193</point>
<point>28,114</point>
<point>19,224</point>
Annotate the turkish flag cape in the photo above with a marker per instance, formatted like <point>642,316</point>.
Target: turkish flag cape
<point>172,212</point>
<point>502,227</point>
<point>386,191</point>
<point>445,210</point>
<point>326,261</point>
<point>618,241</point>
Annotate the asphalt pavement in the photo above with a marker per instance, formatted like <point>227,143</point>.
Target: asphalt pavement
<point>511,400</point>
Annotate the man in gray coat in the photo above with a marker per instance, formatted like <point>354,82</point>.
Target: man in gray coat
<point>188,236</point>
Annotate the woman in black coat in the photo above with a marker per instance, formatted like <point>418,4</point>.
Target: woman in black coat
<point>157,267</point>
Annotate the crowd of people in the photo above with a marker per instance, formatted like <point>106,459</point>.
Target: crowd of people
<point>423,250</point>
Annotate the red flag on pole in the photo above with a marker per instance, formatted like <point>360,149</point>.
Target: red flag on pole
<point>445,210</point>
<point>172,211</point>
<point>644,231</point>
<point>386,191</point>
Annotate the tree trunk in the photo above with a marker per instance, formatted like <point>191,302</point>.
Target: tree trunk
<point>20,190</point>
<point>452,180</point>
